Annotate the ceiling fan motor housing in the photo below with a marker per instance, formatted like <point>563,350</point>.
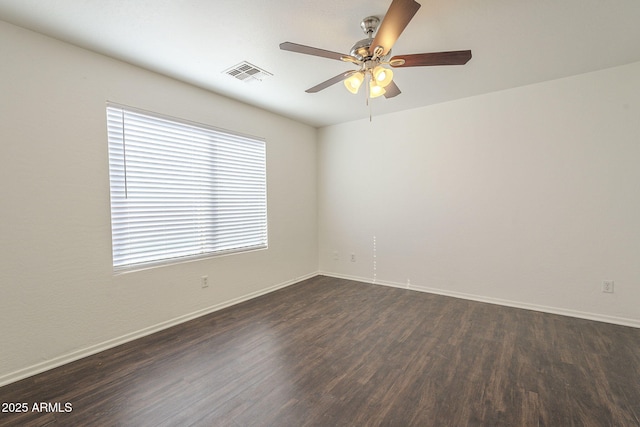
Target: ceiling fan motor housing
<point>361,49</point>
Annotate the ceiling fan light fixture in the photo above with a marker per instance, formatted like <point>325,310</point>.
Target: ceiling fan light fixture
<point>354,82</point>
<point>383,76</point>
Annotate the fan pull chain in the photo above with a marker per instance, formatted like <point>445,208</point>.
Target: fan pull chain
<point>368,89</point>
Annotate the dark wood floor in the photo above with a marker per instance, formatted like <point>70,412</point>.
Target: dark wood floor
<point>330,352</point>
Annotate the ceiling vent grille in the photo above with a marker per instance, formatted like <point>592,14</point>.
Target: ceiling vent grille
<point>247,72</point>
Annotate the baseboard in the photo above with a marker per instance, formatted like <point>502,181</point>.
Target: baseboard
<point>97,348</point>
<point>508,303</point>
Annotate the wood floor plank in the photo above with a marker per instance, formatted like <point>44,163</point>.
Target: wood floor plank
<point>332,352</point>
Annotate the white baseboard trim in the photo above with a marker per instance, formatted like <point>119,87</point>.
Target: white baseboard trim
<point>508,303</point>
<point>97,348</point>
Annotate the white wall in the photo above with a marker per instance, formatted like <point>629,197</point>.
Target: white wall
<point>527,197</point>
<point>58,297</point>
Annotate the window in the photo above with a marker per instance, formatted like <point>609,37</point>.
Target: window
<point>181,190</point>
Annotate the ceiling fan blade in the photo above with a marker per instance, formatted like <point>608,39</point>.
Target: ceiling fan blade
<point>393,24</point>
<point>308,50</point>
<point>330,82</point>
<point>458,57</point>
<point>392,90</point>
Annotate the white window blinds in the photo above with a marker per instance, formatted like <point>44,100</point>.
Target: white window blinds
<point>181,190</point>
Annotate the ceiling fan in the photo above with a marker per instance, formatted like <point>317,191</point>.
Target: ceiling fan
<point>372,54</point>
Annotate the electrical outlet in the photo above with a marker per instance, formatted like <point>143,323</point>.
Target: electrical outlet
<point>353,257</point>
<point>607,286</point>
<point>204,281</point>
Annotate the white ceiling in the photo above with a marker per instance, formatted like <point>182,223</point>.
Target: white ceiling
<point>514,43</point>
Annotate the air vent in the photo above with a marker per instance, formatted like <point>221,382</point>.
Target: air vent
<point>247,72</point>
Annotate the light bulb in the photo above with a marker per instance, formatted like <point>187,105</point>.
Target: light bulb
<point>375,90</point>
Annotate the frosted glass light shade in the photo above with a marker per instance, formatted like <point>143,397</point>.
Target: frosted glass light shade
<point>354,82</point>
<point>382,76</point>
